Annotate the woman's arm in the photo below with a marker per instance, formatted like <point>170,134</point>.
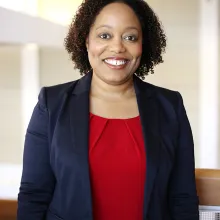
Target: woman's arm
<point>37,183</point>
<point>183,200</point>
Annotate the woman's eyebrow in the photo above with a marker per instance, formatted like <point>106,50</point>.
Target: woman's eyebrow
<point>108,26</point>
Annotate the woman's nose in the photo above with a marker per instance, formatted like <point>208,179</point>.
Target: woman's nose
<point>117,46</point>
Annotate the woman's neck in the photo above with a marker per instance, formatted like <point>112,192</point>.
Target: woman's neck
<point>103,90</point>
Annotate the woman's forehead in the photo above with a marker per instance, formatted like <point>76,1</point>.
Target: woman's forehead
<point>116,14</point>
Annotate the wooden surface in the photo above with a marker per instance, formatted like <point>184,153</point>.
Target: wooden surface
<point>208,187</point>
<point>8,209</point>
<point>207,183</point>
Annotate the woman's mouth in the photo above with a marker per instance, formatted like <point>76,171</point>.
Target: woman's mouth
<point>116,63</point>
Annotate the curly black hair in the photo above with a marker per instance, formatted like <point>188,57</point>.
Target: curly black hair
<point>154,38</point>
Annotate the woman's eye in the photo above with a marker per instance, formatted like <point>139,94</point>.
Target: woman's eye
<point>104,36</point>
<point>130,38</point>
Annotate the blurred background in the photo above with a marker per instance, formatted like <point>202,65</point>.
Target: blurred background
<point>32,55</point>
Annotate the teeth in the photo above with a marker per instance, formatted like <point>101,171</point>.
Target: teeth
<point>116,62</point>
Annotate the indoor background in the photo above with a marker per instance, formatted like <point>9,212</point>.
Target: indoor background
<point>32,55</point>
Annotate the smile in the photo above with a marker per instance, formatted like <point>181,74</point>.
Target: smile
<point>116,62</point>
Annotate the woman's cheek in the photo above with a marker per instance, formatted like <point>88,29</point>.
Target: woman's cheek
<point>139,50</point>
<point>97,48</point>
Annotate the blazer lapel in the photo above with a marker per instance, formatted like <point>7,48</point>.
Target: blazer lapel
<point>149,114</point>
<point>79,115</point>
<point>79,120</point>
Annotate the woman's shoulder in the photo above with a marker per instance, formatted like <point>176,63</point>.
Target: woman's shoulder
<point>169,101</point>
<point>53,95</point>
<point>60,88</point>
<point>162,92</point>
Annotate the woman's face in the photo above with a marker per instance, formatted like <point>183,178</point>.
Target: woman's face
<point>115,44</point>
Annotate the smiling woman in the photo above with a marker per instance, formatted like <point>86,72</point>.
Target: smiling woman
<point>115,46</point>
<point>110,146</point>
<point>147,30</point>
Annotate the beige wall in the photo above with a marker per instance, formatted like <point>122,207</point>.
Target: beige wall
<point>10,105</point>
<point>56,67</point>
<point>179,72</point>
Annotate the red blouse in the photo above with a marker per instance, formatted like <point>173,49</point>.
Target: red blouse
<point>117,168</point>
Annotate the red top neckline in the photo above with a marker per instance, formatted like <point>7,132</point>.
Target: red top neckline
<point>124,119</point>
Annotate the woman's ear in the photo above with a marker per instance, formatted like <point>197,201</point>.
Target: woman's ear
<point>87,43</point>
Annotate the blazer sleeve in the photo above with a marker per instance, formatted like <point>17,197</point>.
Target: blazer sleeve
<point>37,181</point>
<point>183,200</point>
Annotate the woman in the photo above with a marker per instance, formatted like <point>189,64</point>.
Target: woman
<point>109,146</point>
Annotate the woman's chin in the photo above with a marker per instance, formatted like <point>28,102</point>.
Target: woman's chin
<point>116,80</point>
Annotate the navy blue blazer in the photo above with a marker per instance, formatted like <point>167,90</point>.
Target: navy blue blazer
<point>55,182</point>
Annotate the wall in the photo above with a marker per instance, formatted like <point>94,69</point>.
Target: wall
<point>56,67</point>
<point>10,105</point>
